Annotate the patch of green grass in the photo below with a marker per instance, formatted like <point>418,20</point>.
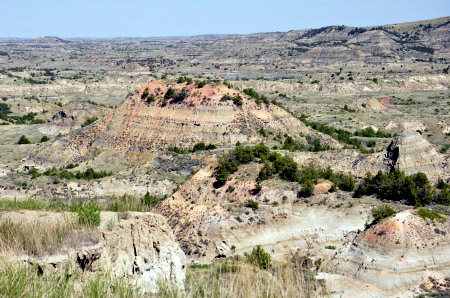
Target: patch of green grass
<point>88,213</point>
<point>30,204</point>
<point>430,214</point>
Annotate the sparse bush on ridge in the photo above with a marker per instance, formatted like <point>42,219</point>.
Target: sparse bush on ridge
<point>197,147</point>
<point>381,213</point>
<point>145,94</point>
<point>63,173</point>
<point>255,95</point>
<point>369,132</point>
<point>89,121</point>
<point>431,215</point>
<point>202,147</point>
<point>237,99</point>
<point>44,139</point>
<point>252,204</point>
<point>306,190</point>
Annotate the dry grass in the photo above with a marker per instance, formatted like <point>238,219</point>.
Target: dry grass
<point>241,280</point>
<point>20,280</point>
<point>40,237</point>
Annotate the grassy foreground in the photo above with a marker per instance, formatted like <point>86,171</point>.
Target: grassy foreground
<point>230,278</point>
<point>19,280</point>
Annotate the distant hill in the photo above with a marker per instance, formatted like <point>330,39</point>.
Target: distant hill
<point>51,39</point>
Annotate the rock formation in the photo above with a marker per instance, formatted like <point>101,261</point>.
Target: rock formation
<point>212,223</point>
<point>408,152</point>
<point>141,126</point>
<point>398,253</point>
<point>411,153</point>
<point>140,246</point>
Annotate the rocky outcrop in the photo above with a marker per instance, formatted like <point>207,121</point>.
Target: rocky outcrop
<point>195,115</point>
<point>140,246</point>
<point>213,223</point>
<point>408,152</point>
<point>72,117</point>
<point>411,153</point>
<point>398,253</point>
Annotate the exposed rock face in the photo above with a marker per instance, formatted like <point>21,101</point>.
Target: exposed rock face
<point>194,115</point>
<point>71,118</point>
<point>143,246</point>
<point>140,246</point>
<point>397,253</point>
<point>411,153</point>
<point>408,152</point>
<point>212,223</point>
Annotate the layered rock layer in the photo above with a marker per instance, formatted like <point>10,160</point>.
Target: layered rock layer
<point>194,115</point>
<point>397,253</point>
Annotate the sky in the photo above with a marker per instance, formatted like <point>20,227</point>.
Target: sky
<point>149,18</point>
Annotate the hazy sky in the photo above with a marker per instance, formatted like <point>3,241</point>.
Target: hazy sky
<point>141,18</point>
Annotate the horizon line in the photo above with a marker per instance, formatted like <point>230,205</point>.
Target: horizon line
<point>206,34</point>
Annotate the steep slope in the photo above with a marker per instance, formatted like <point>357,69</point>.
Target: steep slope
<point>212,223</point>
<point>163,114</point>
<point>398,253</point>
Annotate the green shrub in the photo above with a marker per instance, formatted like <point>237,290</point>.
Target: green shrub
<point>89,174</point>
<point>145,94</point>
<point>23,140</point>
<point>252,204</point>
<point>89,121</point>
<point>44,139</point>
<point>180,96</point>
<point>229,163</point>
<point>307,190</point>
<point>259,258</point>
<point>201,84</point>
<point>151,201</point>
<point>286,168</point>
<point>151,98</point>
<point>170,93</point>
<point>176,150</point>
<point>291,145</point>
<point>238,100</point>
<point>369,132</point>
<point>381,213</point>
<point>202,147</point>
<point>266,172</point>
<point>336,133</point>
<point>88,213</point>
<point>445,148</point>
<point>430,214</point>
<point>396,186</point>
<point>71,166</point>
